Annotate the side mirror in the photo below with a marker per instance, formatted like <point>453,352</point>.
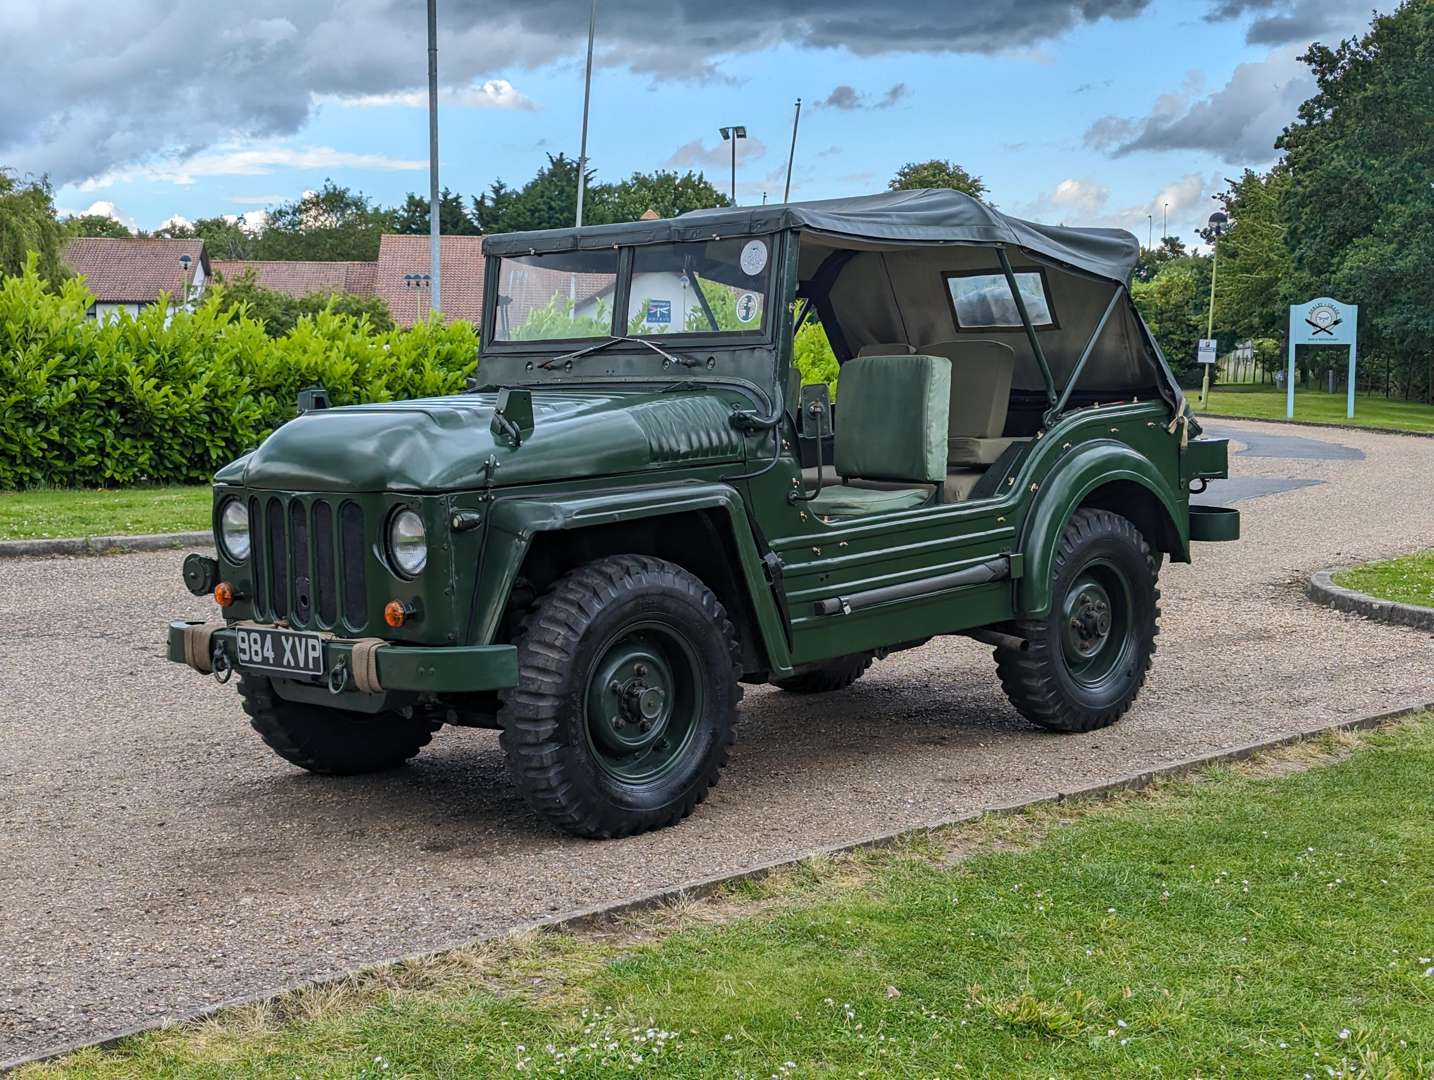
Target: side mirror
<point>313,397</point>
<point>814,414</point>
<point>513,418</point>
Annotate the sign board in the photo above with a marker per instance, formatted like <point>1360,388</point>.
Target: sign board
<point>659,313</point>
<point>1322,321</point>
<point>1207,350</point>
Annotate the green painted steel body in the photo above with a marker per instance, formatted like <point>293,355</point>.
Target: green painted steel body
<point>630,452</point>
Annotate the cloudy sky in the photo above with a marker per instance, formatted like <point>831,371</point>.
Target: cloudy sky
<point>1074,111</point>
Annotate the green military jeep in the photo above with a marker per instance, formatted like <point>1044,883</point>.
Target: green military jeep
<point>637,507</point>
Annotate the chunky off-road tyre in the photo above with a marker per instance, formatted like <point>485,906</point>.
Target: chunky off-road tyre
<point>627,694</point>
<point>335,742</point>
<point>1087,660</point>
<point>837,674</point>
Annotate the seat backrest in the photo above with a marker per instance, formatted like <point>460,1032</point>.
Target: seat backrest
<point>981,374</point>
<point>892,349</point>
<point>893,424</point>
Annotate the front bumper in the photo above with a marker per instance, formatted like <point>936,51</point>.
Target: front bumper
<point>439,669</point>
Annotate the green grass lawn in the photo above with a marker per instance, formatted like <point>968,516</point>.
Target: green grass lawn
<point>1409,580</point>
<point>1267,403</point>
<point>44,514</point>
<point>1255,921</point>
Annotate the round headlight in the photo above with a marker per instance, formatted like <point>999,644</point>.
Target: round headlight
<point>234,530</point>
<point>407,543</point>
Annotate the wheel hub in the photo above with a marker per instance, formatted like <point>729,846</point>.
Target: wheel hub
<point>629,703</point>
<point>1088,619</point>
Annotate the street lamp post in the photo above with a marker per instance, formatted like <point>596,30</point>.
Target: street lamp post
<point>433,223</point>
<point>1164,222</point>
<point>731,135</point>
<point>1216,229</point>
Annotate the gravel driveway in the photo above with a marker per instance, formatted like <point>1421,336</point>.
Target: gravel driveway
<point>156,857</point>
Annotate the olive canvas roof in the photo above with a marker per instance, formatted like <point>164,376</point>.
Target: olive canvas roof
<point>929,216</point>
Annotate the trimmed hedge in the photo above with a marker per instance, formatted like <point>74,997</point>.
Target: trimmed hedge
<point>161,399</point>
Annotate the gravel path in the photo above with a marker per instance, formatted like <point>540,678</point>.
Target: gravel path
<point>155,857</point>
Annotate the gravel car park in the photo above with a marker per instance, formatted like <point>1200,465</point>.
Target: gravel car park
<point>159,859</point>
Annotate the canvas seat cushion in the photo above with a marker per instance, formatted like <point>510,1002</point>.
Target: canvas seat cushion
<point>970,452</point>
<point>894,418</point>
<point>851,500</point>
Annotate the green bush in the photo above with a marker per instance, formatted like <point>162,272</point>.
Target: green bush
<point>170,396</point>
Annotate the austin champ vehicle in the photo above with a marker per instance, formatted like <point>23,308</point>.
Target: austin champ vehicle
<point>637,507</point>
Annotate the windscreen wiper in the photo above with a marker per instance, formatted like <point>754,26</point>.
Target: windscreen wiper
<point>672,358</point>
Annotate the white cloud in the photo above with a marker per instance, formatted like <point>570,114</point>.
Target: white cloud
<point>234,160</point>
<point>252,222</point>
<point>175,221</point>
<point>1086,203</point>
<point>493,94</point>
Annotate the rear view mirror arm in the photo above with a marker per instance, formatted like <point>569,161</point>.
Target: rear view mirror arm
<point>1054,412</point>
<point>1030,329</point>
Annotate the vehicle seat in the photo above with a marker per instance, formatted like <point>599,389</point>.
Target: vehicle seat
<point>890,446</point>
<point>981,373</point>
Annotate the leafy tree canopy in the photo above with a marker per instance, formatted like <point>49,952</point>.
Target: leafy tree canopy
<point>937,173</point>
<point>1152,259</point>
<point>333,223</point>
<point>27,223</point>
<point>453,218</point>
<point>97,225</point>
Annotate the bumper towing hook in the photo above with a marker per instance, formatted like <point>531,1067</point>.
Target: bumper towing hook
<point>338,678</point>
<point>220,666</point>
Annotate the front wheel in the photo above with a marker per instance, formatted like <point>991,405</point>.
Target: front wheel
<point>627,692</point>
<point>1087,660</point>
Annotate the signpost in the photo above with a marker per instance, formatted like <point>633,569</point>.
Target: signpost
<point>1322,321</point>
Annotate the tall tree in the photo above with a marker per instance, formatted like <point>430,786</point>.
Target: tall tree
<point>453,218</point>
<point>548,201</point>
<point>664,193</point>
<point>1174,304</point>
<point>97,225</point>
<point>28,223</point>
<point>937,173</point>
<point>1257,281</point>
<point>332,223</point>
<point>1361,190</point>
<point>1152,259</point>
<point>224,238</point>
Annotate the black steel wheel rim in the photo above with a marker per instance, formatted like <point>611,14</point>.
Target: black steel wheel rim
<point>643,702</point>
<point>1097,619</point>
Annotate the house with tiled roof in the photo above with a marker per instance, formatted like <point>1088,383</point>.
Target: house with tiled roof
<point>299,278</point>
<point>129,274</point>
<point>402,277</point>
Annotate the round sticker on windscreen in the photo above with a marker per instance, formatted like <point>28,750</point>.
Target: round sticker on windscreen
<point>748,306</point>
<point>754,257</point>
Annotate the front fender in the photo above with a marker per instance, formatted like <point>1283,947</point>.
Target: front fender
<point>1062,492</point>
<point>514,522</point>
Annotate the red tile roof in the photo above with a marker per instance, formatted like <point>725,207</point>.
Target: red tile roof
<point>461,277</point>
<point>133,271</point>
<point>299,279</point>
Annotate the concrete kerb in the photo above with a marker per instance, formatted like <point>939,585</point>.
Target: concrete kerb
<point>587,918</point>
<point>1323,590</point>
<point>103,545</point>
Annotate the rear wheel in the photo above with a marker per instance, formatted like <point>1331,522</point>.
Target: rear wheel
<point>331,741</point>
<point>623,713</point>
<point>1086,662</point>
<point>835,674</point>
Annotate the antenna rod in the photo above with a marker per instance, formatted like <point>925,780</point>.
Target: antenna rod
<point>587,97</point>
<point>792,154</point>
<point>433,233</point>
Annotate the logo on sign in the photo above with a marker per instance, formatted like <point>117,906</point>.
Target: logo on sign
<point>659,313</point>
<point>1323,318</point>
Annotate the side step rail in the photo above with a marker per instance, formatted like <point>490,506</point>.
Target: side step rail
<point>998,569</point>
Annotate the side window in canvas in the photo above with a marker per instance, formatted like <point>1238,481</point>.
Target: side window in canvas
<point>983,301</point>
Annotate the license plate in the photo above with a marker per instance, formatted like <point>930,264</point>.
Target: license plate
<point>286,651</point>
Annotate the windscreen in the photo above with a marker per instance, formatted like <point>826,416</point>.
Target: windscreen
<point>555,297</point>
<point>700,287</point>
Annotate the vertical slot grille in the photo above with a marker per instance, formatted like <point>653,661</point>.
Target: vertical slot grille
<point>352,544</point>
<point>325,586</point>
<point>256,555</point>
<point>278,560</point>
<point>303,607</point>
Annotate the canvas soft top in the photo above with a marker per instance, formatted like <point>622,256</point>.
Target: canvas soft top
<point>930,216</point>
